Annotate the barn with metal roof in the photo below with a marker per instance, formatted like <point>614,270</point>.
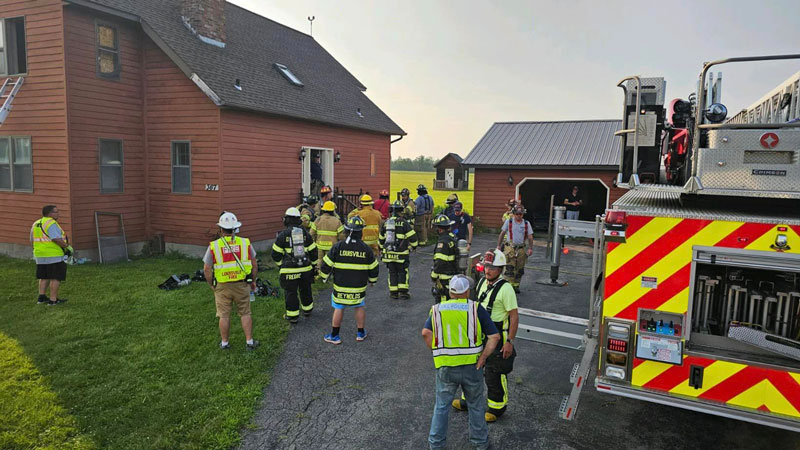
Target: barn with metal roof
<point>540,162</point>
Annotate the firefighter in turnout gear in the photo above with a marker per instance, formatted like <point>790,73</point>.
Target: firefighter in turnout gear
<point>397,239</point>
<point>445,258</point>
<point>296,253</point>
<point>308,210</point>
<point>510,213</point>
<point>498,298</point>
<point>353,265</point>
<point>326,230</point>
<point>519,233</point>
<point>409,207</point>
<point>372,223</point>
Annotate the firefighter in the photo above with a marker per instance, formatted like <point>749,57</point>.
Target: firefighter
<point>326,230</point>
<point>307,208</point>
<point>409,207</point>
<point>325,195</point>
<point>510,212</point>
<point>424,207</point>
<point>372,223</point>
<point>496,295</point>
<point>382,204</point>
<point>353,265</point>
<point>233,261</point>
<point>520,233</point>
<point>445,257</point>
<point>296,253</point>
<point>451,200</point>
<point>397,239</point>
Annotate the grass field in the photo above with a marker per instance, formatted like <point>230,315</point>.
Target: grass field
<point>124,364</point>
<point>410,180</point>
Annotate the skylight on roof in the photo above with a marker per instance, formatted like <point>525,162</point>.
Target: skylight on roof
<point>288,74</point>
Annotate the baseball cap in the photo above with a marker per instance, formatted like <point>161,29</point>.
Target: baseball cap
<point>459,284</point>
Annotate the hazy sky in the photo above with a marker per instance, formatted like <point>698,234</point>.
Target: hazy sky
<point>446,70</point>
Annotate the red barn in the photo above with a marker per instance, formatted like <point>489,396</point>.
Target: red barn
<point>537,161</point>
<point>168,112</point>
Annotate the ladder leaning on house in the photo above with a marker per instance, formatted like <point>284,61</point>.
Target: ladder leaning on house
<point>7,94</point>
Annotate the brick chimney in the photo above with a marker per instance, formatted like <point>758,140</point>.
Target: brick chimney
<point>206,19</point>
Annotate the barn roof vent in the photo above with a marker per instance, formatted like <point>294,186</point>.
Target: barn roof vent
<point>358,111</point>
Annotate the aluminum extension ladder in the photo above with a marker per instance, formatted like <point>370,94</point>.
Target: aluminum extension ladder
<point>7,93</point>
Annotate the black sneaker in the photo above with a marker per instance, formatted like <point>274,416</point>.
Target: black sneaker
<point>253,346</point>
<point>42,300</point>
<point>57,302</point>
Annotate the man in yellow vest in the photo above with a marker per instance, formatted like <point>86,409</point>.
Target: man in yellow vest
<point>233,261</point>
<point>372,220</point>
<point>461,335</point>
<point>50,249</point>
<point>326,230</point>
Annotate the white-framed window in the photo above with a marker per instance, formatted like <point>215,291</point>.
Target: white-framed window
<point>181,167</point>
<point>16,163</point>
<point>13,52</point>
<point>108,63</point>
<point>111,166</point>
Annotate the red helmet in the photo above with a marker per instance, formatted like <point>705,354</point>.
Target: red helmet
<point>384,193</point>
<point>325,190</point>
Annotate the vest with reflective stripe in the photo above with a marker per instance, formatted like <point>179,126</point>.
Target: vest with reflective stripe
<point>327,229</point>
<point>226,269</point>
<point>43,246</point>
<point>457,334</point>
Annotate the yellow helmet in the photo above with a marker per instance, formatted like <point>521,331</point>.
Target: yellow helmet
<point>329,206</point>
<point>366,199</point>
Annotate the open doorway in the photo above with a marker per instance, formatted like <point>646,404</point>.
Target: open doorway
<point>323,157</point>
<point>535,195</point>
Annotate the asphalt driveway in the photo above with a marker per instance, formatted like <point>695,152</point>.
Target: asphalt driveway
<point>379,394</point>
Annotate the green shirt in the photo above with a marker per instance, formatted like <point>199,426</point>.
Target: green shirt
<point>506,301</point>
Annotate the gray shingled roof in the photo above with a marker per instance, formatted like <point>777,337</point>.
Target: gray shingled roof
<point>569,143</point>
<point>254,43</point>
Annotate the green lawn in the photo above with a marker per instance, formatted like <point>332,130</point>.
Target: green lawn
<point>126,365</point>
<point>402,179</point>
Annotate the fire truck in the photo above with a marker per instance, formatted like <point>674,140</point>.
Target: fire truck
<point>695,300</point>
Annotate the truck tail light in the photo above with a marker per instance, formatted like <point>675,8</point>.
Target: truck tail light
<point>615,217</point>
<point>618,345</point>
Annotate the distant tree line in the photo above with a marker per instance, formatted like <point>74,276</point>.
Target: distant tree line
<point>419,164</point>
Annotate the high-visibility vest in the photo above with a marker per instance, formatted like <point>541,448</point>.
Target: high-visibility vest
<point>457,334</point>
<point>226,268</point>
<point>43,246</point>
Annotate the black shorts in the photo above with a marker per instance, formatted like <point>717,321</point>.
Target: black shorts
<point>55,271</point>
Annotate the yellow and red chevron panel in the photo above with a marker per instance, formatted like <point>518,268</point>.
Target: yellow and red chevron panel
<point>739,385</point>
<point>660,248</point>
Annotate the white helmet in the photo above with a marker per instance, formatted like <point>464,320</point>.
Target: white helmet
<point>229,221</point>
<point>292,212</point>
<point>495,258</point>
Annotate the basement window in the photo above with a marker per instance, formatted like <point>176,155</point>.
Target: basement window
<point>288,74</point>
<point>108,65</point>
<point>13,57</point>
<point>16,164</point>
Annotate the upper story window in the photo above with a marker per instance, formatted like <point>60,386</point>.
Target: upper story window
<point>108,65</point>
<point>288,74</point>
<point>13,56</point>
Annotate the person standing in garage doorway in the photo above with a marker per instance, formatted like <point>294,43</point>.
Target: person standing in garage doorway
<point>573,203</point>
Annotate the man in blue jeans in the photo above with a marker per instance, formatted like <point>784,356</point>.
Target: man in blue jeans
<point>461,335</point>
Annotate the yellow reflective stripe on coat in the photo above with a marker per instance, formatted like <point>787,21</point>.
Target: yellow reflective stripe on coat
<point>352,266</point>
<point>327,233</point>
<point>444,257</point>
<point>278,249</point>
<point>325,245</point>
<point>349,290</point>
<point>295,269</point>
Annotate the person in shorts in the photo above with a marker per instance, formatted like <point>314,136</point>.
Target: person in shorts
<point>50,249</point>
<point>233,261</point>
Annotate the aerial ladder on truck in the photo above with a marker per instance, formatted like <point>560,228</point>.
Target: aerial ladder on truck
<point>695,293</point>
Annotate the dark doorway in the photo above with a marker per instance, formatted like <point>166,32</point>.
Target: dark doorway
<point>535,195</point>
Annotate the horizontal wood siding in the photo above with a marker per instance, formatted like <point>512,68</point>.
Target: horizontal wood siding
<point>492,190</point>
<point>177,110</point>
<point>39,111</point>
<point>99,108</point>
<point>262,172</point>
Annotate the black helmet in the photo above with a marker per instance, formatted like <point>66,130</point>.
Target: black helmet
<point>355,223</point>
<point>422,187</point>
<point>442,221</point>
<point>405,192</point>
<point>397,206</point>
<point>312,199</point>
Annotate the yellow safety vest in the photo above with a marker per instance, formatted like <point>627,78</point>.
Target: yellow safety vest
<point>457,334</point>
<point>226,268</point>
<point>43,246</point>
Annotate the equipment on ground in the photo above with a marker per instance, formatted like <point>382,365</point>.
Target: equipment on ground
<point>175,282</point>
<point>695,293</point>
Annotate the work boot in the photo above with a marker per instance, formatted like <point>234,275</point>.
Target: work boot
<point>394,294</point>
<point>490,417</point>
<point>253,346</point>
<point>459,405</point>
<point>291,319</point>
<point>307,313</point>
<point>42,300</point>
<point>405,295</point>
<point>56,302</point>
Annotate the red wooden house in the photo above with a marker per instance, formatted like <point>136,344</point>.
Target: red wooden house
<point>168,112</point>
